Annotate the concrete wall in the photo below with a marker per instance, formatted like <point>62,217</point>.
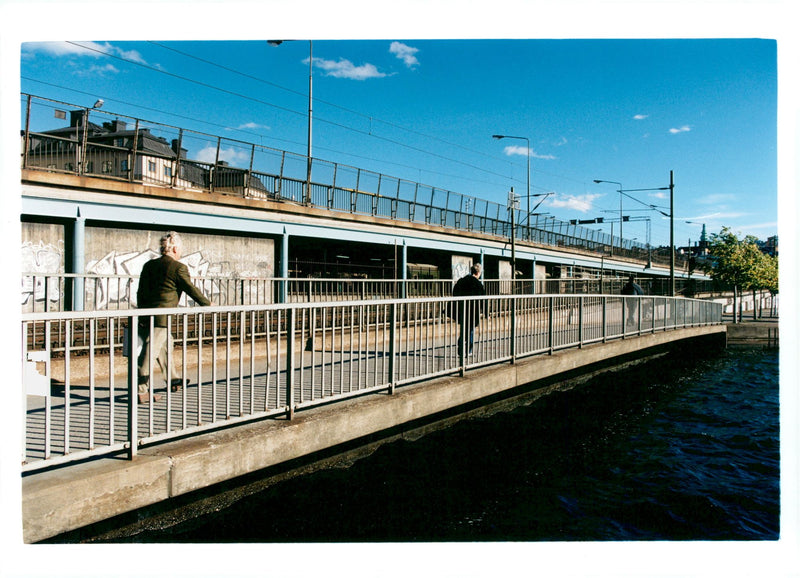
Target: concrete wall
<point>118,251</point>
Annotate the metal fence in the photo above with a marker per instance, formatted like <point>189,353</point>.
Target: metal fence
<point>109,145</point>
<point>44,292</point>
<point>237,364</point>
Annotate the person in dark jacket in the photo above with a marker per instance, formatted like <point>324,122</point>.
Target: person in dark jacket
<point>469,317</point>
<point>161,284</point>
<point>632,306</point>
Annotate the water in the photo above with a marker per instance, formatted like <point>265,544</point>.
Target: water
<point>675,449</point>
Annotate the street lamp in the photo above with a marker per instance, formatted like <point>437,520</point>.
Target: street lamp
<point>619,190</point>
<point>528,155</point>
<point>307,199</point>
<point>671,216</point>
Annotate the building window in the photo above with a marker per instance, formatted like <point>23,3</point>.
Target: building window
<point>108,167</point>
<point>151,166</point>
<point>123,165</point>
<point>168,172</point>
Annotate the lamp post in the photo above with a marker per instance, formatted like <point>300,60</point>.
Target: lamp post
<point>513,204</point>
<point>671,216</point>
<point>307,199</point>
<point>528,155</point>
<point>619,190</point>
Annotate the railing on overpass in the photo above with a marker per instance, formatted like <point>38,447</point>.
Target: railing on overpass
<point>43,292</point>
<point>135,150</point>
<point>244,363</point>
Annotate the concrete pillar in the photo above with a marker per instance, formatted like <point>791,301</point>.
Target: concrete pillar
<point>78,261</point>
<point>284,266</point>
<point>404,269</point>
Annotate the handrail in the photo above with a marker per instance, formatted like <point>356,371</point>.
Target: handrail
<point>278,175</point>
<point>57,291</point>
<point>243,363</point>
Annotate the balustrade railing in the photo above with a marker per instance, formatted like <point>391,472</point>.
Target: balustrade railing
<point>44,292</point>
<point>141,151</point>
<point>242,363</point>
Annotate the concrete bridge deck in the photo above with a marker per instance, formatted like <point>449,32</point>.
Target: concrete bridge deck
<point>63,499</point>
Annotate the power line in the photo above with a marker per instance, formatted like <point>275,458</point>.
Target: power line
<point>240,95</point>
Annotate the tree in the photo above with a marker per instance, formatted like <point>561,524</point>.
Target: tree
<point>740,264</point>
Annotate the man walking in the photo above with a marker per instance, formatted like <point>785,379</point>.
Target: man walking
<point>631,288</point>
<point>469,316</point>
<point>161,284</point>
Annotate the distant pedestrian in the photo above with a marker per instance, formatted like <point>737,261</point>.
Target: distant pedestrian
<point>469,316</point>
<point>161,284</point>
<point>631,288</point>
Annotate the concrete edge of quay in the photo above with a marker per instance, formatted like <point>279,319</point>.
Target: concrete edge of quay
<point>68,498</point>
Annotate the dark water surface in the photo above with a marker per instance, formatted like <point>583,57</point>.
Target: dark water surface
<point>670,450</point>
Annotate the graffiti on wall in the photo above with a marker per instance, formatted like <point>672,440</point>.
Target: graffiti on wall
<point>41,265</point>
<point>127,266</point>
<point>40,258</point>
<point>460,266</point>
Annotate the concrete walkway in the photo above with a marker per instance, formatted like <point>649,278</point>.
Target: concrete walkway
<point>58,500</point>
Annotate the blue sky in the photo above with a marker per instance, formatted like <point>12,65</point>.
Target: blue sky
<point>425,110</point>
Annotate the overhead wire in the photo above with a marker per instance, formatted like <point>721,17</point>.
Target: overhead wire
<point>240,95</point>
<point>369,133</point>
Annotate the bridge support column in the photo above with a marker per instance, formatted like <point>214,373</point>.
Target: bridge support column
<point>404,270</point>
<point>284,289</point>
<point>78,261</point>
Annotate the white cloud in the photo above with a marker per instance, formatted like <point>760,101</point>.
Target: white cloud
<point>97,70</point>
<point>512,150</point>
<point>716,198</point>
<point>581,203</point>
<point>90,49</point>
<point>343,68</point>
<point>640,116</point>
<point>229,155</point>
<point>251,126</point>
<point>684,128</point>
<point>405,53</point>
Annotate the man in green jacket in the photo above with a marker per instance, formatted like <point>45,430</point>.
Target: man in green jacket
<point>161,284</point>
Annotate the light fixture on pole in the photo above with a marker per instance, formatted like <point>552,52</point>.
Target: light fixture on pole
<point>619,190</point>
<point>307,199</point>
<point>671,216</point>
<point>528,155</point>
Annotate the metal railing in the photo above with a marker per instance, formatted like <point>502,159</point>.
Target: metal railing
<point>140,151</point>
<point>46,292</point>
<point>245,363</point>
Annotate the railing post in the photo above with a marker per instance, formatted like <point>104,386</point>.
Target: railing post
<point>639,307</point>
<point>290,361</point>
<point>550,324</point>
<point>132,171</point>
<point>624,315</point>
<point>393,349</point>
<point>513,329</point>
<point>174,178</point>
<point>581,304</point>
<point>605,318</point>
<point>133,387</point>
<point>27,143</point>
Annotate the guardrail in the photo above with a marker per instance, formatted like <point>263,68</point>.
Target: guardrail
<point>238,364</point>
<point>130,149</point>
<point>43,292</point>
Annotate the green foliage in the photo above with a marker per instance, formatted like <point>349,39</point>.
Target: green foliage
<point>739,263</point>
